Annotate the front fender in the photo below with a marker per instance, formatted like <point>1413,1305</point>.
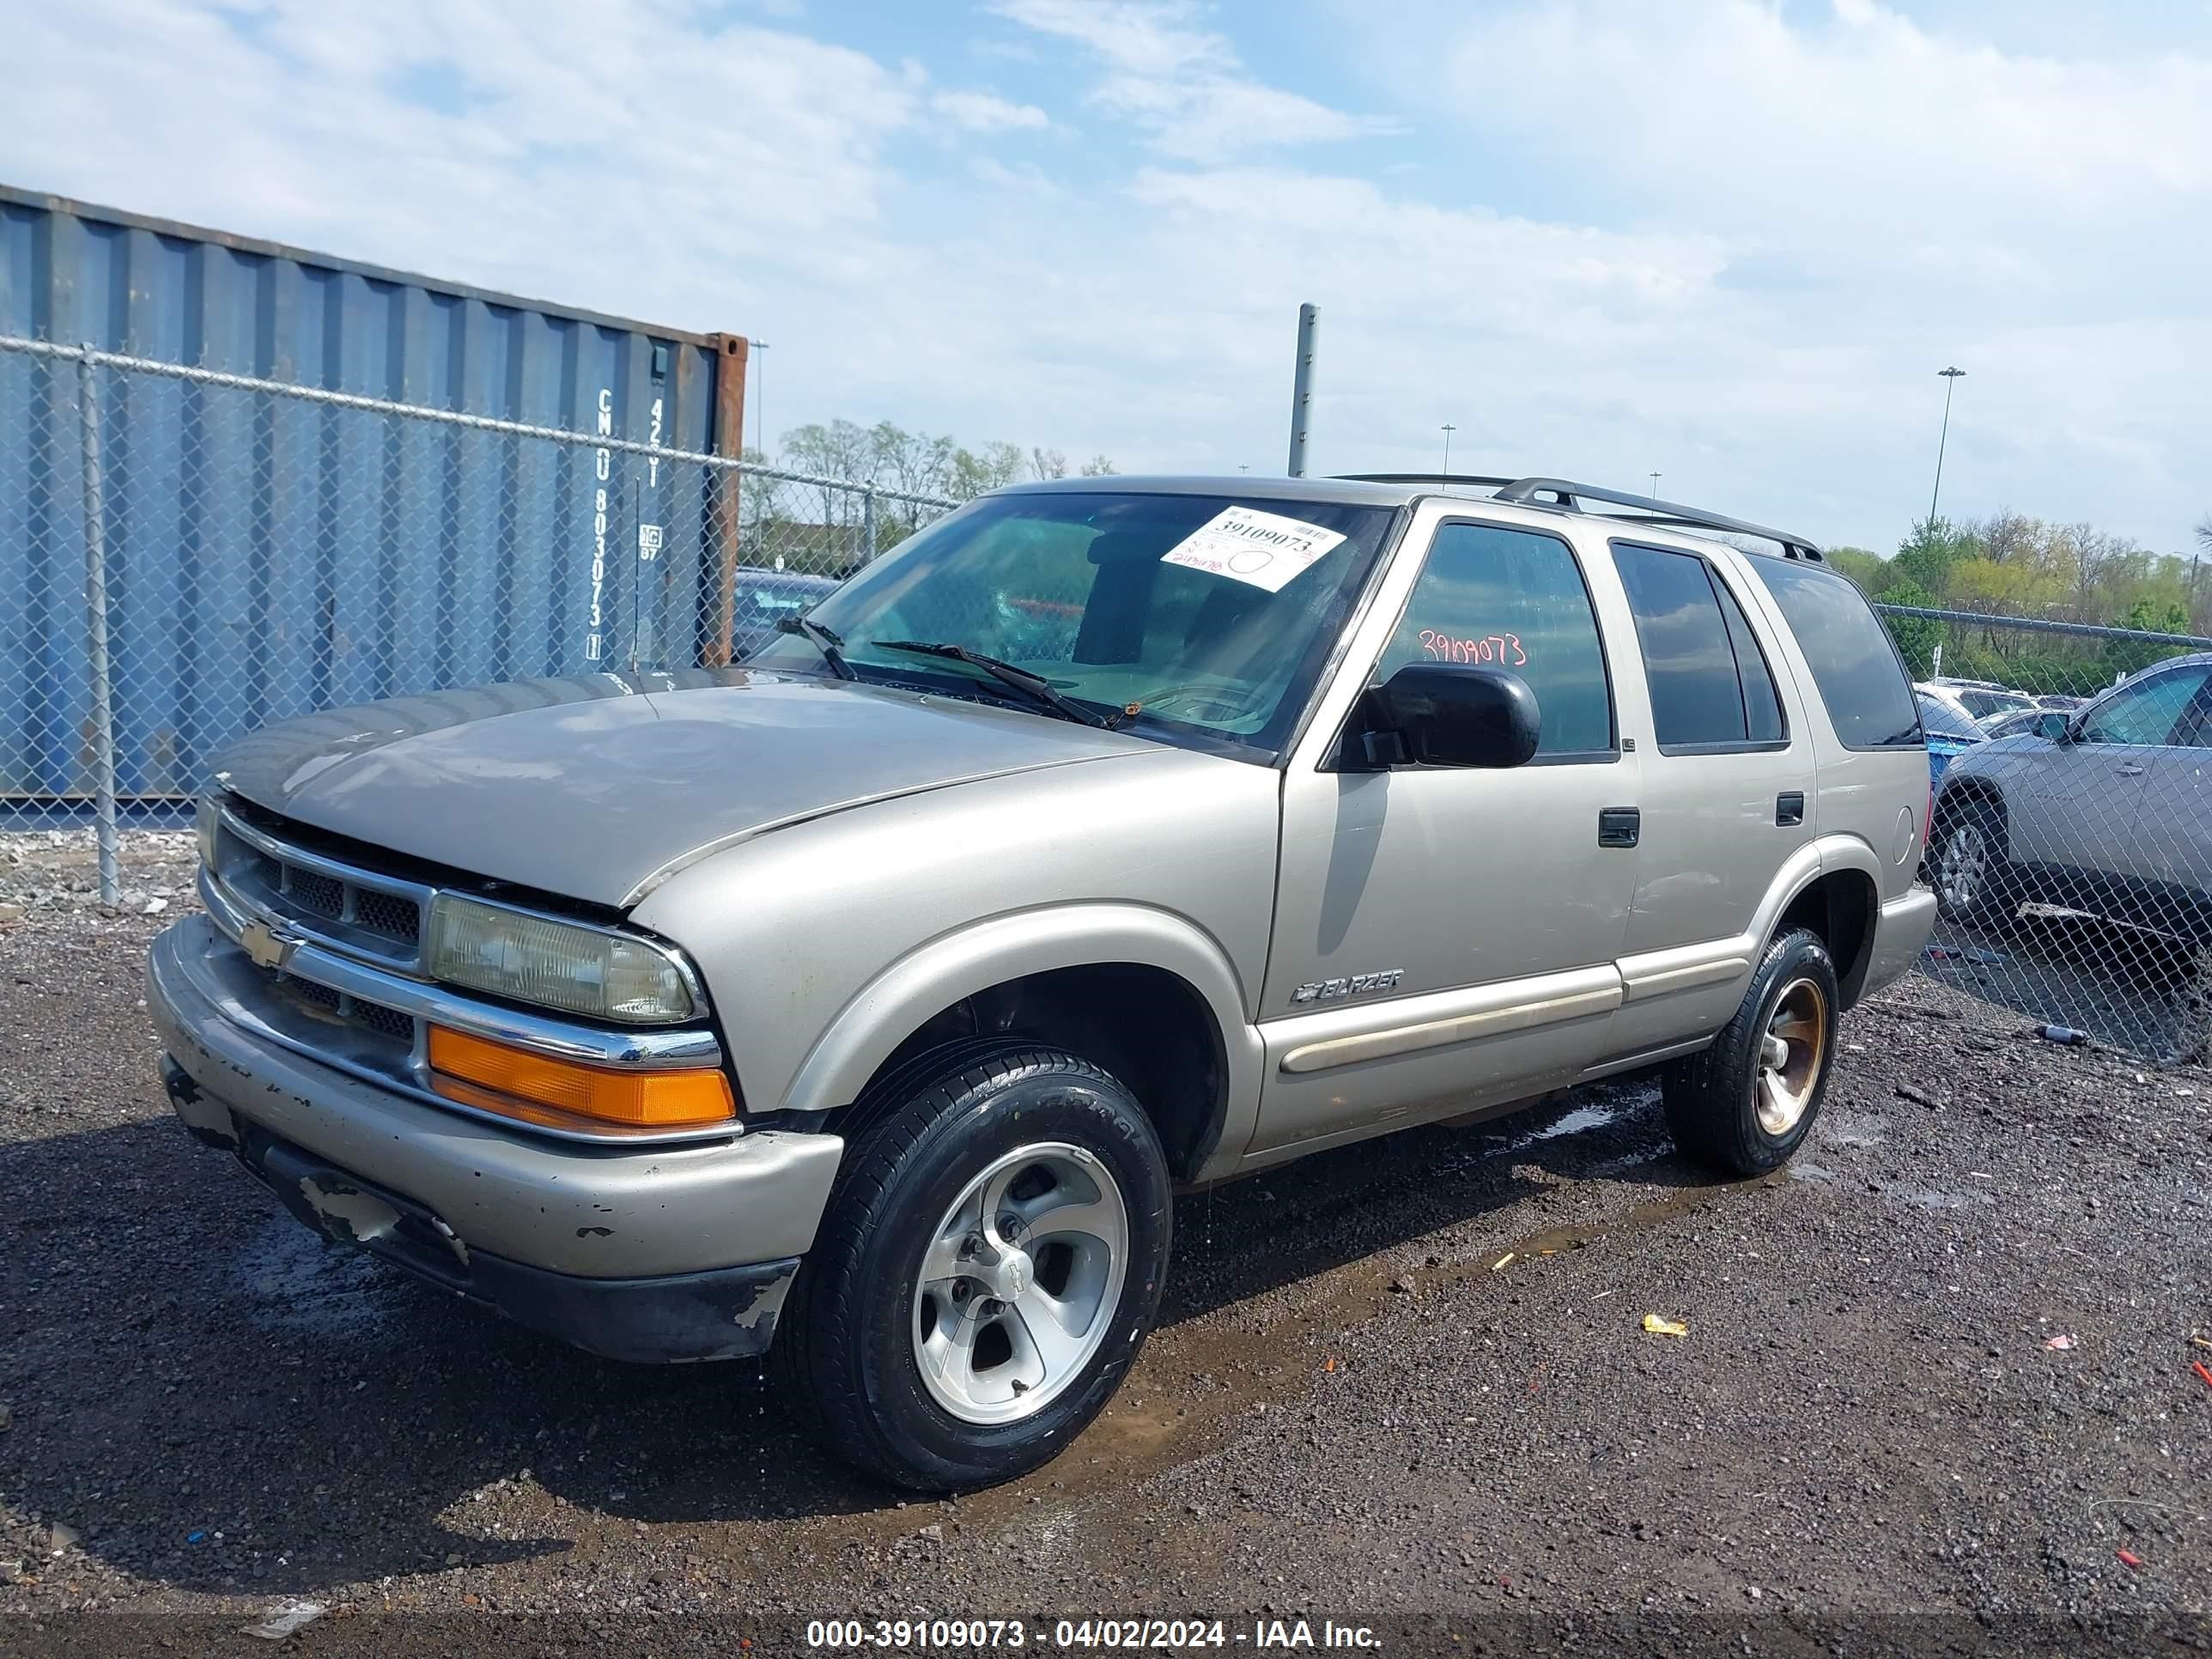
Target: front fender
<point>933,976</point>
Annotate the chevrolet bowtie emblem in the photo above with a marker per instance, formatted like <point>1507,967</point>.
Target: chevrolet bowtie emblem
<point>268,948</point>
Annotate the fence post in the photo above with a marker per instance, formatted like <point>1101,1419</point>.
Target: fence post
<point>95,619</point>
<point>868,523</point>
<point>725,486</point>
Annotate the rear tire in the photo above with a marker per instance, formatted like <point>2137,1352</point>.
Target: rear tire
<point>1971,871</point>
<point>1745,1104</point>
<point>987,1267</point>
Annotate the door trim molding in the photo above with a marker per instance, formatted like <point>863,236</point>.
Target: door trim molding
<point>1663,971</point>
<point>1382,1031</point>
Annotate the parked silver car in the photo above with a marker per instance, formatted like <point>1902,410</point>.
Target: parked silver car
<point>1979,700</point>
<point>2105,808</point>
<point>1109,835</point>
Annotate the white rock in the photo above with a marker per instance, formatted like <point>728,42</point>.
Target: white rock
<point>287,1620</point>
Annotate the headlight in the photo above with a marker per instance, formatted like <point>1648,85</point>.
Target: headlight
<point>204,823</point>
<point>557,964</point>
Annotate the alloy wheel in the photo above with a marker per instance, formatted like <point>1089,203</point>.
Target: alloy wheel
<point>1963,867</point>
<point>1790,1057</point>
<point>1020,1283</point>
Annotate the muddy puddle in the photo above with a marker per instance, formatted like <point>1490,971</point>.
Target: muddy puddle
<point>1222,1362</point>
<point>1275,1277</point>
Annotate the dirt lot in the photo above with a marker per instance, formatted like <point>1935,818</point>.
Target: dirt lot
<point>1403,1383</point>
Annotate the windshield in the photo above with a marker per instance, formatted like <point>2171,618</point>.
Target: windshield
<point>1207,616</point>
<point>1982,704</point>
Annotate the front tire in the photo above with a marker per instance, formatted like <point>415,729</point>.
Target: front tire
<point>1972,869</point>
<point>1746,1102</point>
<point>987,1270</point>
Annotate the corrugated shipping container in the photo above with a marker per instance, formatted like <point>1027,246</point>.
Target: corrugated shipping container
<point>266,556</point>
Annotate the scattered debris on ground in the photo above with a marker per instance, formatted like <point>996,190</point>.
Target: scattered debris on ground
<point>228,1419</point>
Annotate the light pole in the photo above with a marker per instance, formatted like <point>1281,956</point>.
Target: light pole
<point>1655,486</point>
<point>1448,429</point>
<point>1951,377</point>
<point>1302,388</point>
<point>759,396</point>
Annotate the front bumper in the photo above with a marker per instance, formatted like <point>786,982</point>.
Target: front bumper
<point>656,1252</point>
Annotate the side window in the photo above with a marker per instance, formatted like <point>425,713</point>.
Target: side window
<point>1711,686</point>
<point>2144,713</point>
<point>1515,599</point>
<point>2195,731</point>
<point>1861,680</point>
<point>1762,703</point>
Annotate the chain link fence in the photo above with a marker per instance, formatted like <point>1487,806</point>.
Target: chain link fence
<point>189,554</point>
<point>2070,843</point>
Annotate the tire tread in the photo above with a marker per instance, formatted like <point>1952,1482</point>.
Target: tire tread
<point>813,1350</point>
<point>1703,1093</point>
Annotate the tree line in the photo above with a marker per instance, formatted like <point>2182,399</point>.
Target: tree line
<point>889,457</point>
<point>2011,565</point>
<point>827,528</point>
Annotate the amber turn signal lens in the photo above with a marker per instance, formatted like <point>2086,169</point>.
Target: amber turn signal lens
<point>538,1089</point>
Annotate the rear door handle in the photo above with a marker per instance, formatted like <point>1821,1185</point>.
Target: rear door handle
<point>2131,770</point>
<point>1619,826</point>
<point>1789,807</point>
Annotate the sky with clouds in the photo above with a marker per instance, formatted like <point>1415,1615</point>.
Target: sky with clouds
<point>1729,240</point>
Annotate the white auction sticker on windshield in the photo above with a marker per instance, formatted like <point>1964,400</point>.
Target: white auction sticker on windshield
<point>1247,545</point>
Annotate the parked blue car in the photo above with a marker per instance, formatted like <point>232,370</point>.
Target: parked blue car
<point>763,598</point>
<point>1949,733</point>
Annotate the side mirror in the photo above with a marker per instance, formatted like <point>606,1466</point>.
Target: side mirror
<point>2050,725</point>
<point>1442,713</point>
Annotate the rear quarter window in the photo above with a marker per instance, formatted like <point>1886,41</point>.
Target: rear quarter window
<point>1861,681</point>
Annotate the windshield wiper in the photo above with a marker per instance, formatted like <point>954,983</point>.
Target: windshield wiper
<point>828,641</point>
<point>1006,674</point>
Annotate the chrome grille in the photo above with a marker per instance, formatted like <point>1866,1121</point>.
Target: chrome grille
<point>390,1021</point>
<point>371,1016</point>
<point>382,913</point>
<point>321,895</point>
<point>360,911</point>
<point>307,990</point>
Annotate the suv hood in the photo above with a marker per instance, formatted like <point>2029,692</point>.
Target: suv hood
<point>601,786</point>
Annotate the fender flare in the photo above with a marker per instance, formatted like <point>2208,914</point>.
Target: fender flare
<point>1959,787</point>
<point>1840,852</point>
<point>1823,856</point>
<point>939,973</point>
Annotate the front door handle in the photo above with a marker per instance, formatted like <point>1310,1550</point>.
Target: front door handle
<point>1619,826</point>
<point>2131,770</point>
<point>1790,807</point>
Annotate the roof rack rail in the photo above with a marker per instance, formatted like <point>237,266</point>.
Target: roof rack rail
<point>1650,509</point>
<point>1564,492</point>
<point>1424,477</point>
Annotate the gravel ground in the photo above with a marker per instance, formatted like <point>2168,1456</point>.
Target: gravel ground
<point>1404,1381</point>
<point>2124,986</point>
